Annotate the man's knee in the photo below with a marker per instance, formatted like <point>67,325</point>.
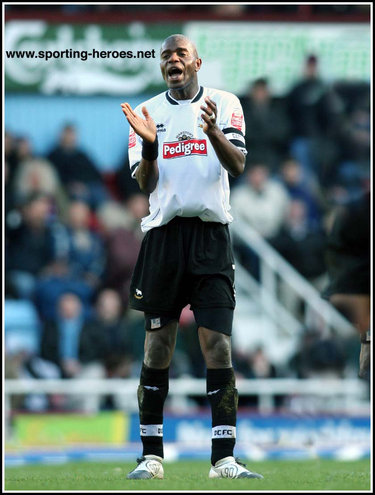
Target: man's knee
<point>216,348</point>
<point>157,353</point>
<point>159,346</point>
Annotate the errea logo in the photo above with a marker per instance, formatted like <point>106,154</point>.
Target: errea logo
<point>179,149</point>
<point>160,128</point>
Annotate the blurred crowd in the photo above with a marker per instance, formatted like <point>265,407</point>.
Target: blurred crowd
<point>72,235</point>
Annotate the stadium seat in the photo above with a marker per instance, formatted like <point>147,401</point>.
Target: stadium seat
<point>21,326</point>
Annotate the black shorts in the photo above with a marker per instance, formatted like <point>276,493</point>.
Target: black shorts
<point>186,261</point>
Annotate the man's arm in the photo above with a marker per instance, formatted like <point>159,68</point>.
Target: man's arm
<point>147,173</point>
<point>230,157</point>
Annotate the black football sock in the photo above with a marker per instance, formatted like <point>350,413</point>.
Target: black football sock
<point>223,397</point>
<point>152,392</point>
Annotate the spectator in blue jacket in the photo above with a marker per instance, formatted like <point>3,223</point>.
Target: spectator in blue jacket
<point>79,261</point>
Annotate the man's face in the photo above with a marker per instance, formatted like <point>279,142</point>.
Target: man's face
<point>178,63</point>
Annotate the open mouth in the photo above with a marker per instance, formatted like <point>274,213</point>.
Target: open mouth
<point>174,73</point>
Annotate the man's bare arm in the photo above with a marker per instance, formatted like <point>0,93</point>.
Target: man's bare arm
<point>231,158</point>
<point>147,175</point>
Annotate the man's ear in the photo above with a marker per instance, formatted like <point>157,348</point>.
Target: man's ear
<point>198,64</point>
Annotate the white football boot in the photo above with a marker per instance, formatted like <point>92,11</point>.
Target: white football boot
<point>149,467</point>
<point>229,467</point>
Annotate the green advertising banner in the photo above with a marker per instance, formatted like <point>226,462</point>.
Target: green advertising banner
<point>84,59</point>
<point>237,53</point>
<point>124,59</point>
<point>110,427</point>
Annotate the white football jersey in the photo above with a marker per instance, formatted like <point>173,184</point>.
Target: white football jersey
<point>192,182</point>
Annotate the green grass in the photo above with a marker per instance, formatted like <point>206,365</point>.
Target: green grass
<point>312,475</point>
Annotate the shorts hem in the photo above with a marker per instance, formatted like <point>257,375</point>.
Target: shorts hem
<point>212,306</point>
<point>161,311</point>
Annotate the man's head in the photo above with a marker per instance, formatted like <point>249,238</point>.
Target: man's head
<point>79,215</point>
<point>137,205</point>
<point>259,91</point>
<point>69,306</point>
<point>297,213</point>
<point>179,62</point>
<point>291,171</point>
<point>108,305</point>
<point>36,209</point>
<point>68,137</point>
<point>257,176</point>
<point>23,148</point>
<point>311,67</point>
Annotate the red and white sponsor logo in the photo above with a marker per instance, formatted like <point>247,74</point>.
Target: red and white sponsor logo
<point>132,139</point>
<point>185,148</point>
<point>237,119</point>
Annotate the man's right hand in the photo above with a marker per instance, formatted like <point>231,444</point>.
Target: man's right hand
<point>145,128</point>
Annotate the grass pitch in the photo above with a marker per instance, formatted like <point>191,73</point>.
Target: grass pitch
<point>310,475</point>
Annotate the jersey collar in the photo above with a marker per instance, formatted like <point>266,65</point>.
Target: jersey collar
<point>197,97</point>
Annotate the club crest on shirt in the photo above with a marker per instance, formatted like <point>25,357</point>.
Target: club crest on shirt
<point>184,136</point>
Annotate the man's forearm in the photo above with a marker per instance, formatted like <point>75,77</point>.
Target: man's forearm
<point>147,175</point>
<point>231,158</point>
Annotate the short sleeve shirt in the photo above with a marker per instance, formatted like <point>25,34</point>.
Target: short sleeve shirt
<point>192,182</point>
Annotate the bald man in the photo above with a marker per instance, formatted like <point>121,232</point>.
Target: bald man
<point>183,143</point>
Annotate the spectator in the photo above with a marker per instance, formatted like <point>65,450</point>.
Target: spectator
<point>300,244</point>
<point>16,151</point>
<point>38,175</point>
<point>315,111</point>
<point>355,144</point>
<point>254,365</point>
<point>318,356</point>
<point>76,170</point>
<point>262,202</point>
<point>112,330</point>
<point>267,125</point>
<point>76,349</point>
<point>22,364</point>
<point>122,245</point>
<point>119,345</point>
<point>78,263</point>
<point>9,147</point>
<point>303,246</point>
<point>29,247</point>
<point>137,205</point>
<point>24,149</point>
<point>126,185</point>
<point>12,215</point>
<point>303,188</point>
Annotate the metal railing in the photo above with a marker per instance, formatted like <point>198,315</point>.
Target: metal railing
<point>272,269</point>
<point>342,393</point>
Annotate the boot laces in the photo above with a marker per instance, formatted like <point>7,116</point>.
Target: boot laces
<point>239,462</point>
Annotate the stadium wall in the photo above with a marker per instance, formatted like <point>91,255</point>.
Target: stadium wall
<point>101,126</point>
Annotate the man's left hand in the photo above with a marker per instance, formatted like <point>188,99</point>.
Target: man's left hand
<point>209,116</point>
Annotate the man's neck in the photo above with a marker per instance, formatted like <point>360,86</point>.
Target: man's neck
<point>186,93</point>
